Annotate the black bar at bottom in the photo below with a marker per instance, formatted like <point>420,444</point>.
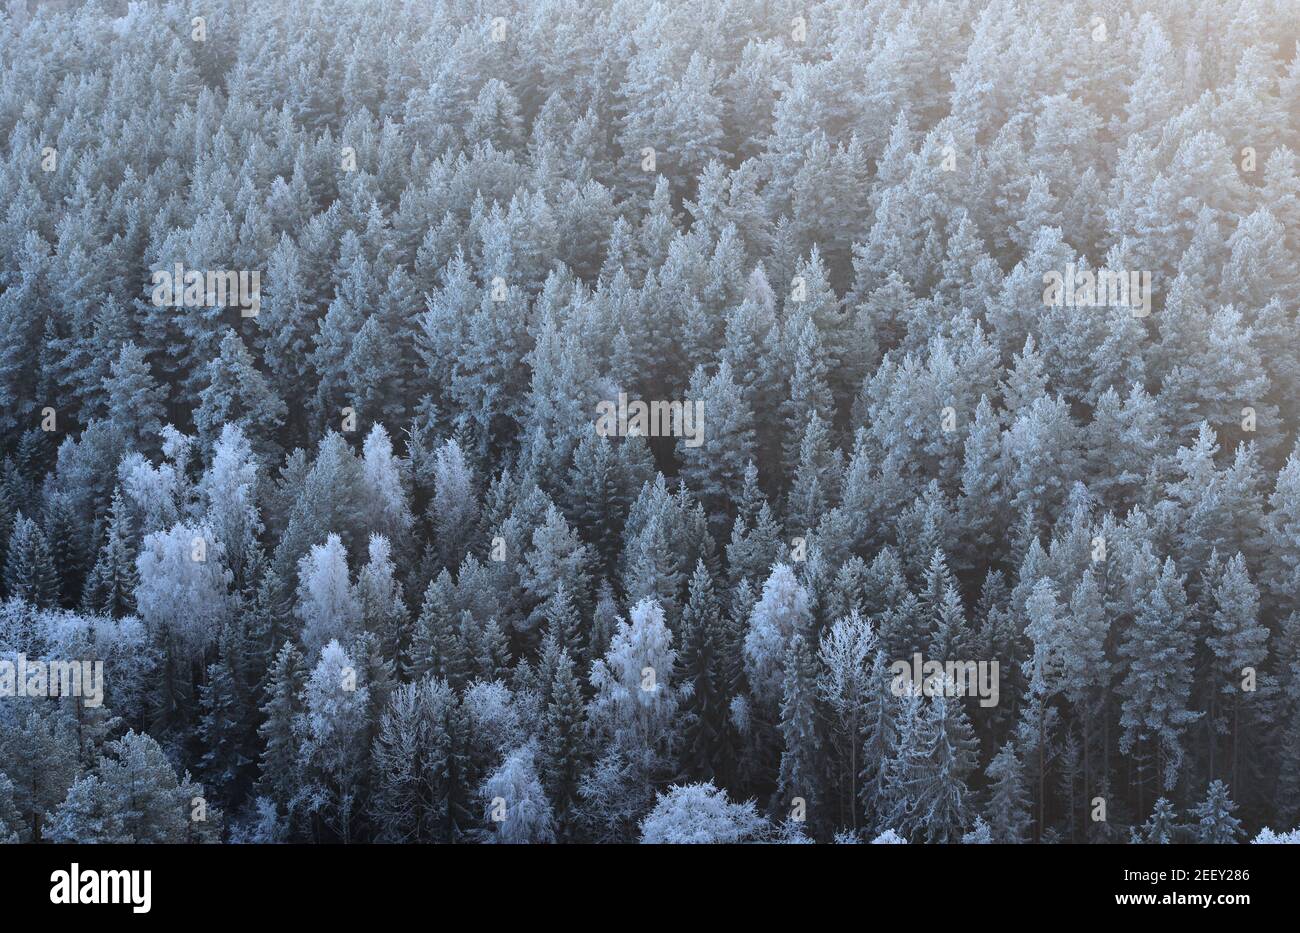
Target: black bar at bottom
<point>215,883</point>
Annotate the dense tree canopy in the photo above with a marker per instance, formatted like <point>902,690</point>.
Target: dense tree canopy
<point>360,565</point>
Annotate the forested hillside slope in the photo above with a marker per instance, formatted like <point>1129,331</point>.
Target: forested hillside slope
<point>359,564</point>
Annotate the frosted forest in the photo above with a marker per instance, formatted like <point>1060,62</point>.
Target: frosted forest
<point>656,421</point>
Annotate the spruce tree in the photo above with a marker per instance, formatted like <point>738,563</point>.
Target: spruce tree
<point>1239,644</point>
<point>565,745</point>
<point>225,726</point>
<point>1156,688</point>
<point>700,665</point>
<point>66,537</point>
<point>280,709</point>
<point>800,775</point>
<point>30,573</point>
<point>932,759</point>
<point>1007,810</point>
<point>1215,823</point>
<point>1161,827</point>
<point>435,641</point>
<point>136,404</point>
